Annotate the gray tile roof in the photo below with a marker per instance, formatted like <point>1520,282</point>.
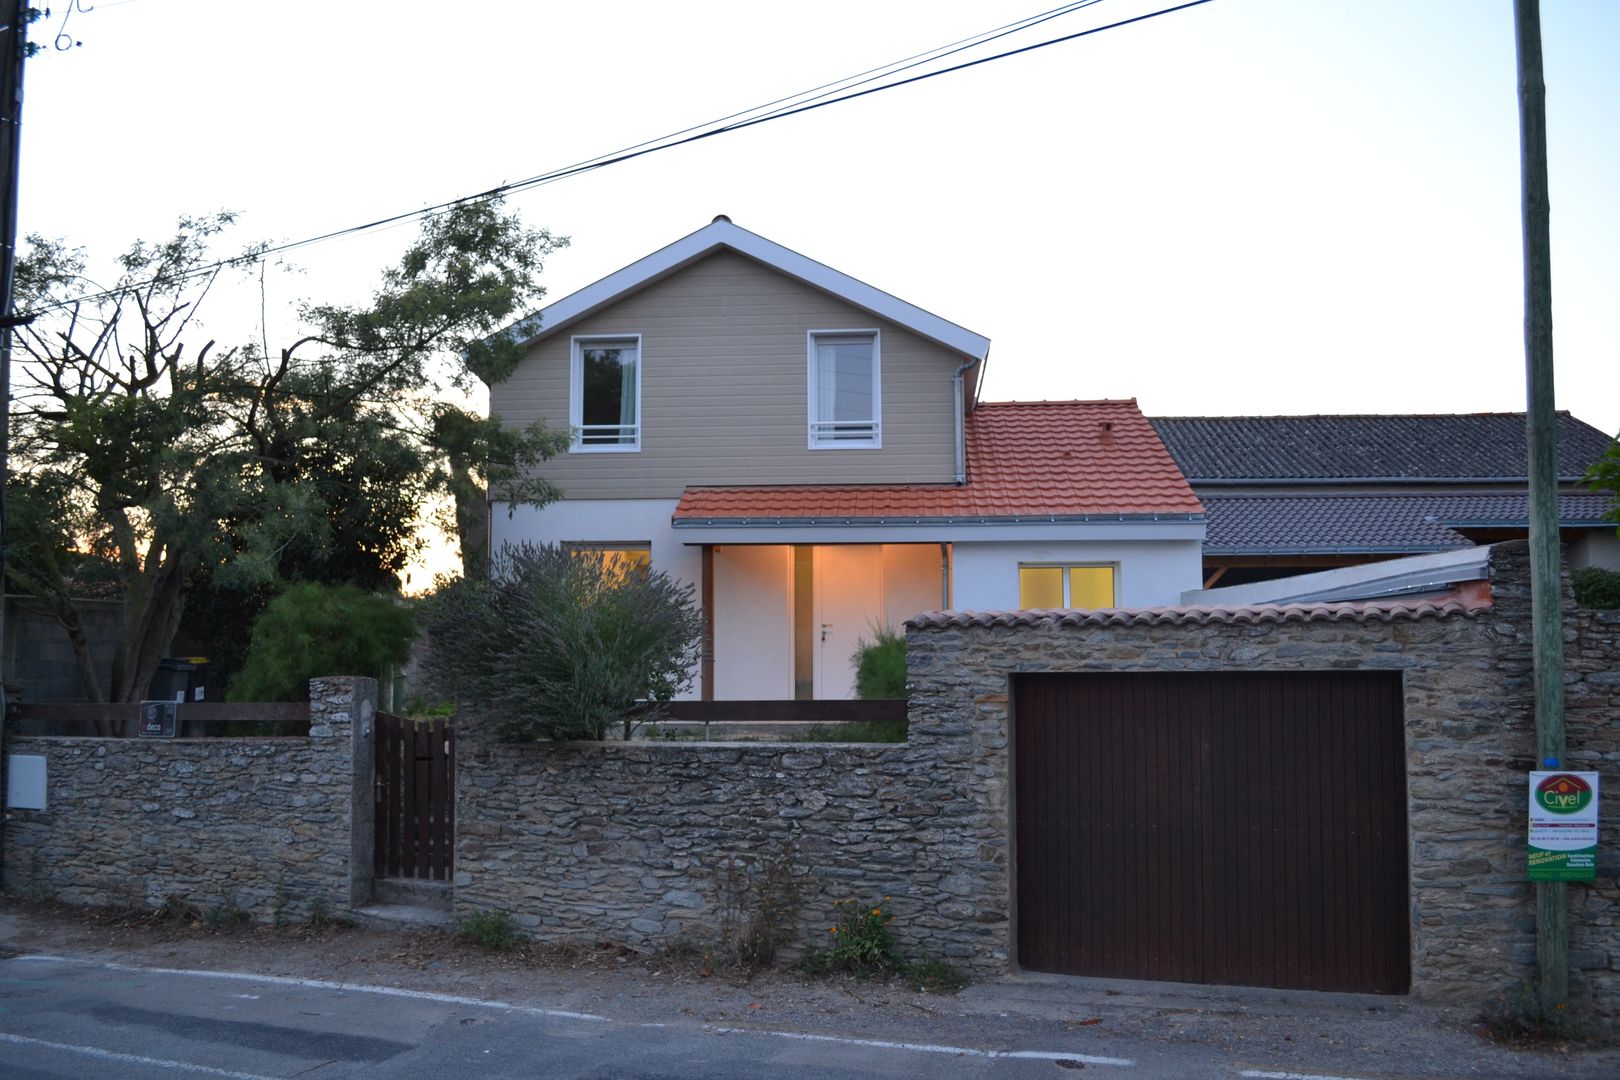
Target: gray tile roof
<point>1467,446</point>
<point>1305,524</point>
<point>1354,611</point>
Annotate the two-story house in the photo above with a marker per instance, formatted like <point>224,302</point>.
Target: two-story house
<point>811,453</point>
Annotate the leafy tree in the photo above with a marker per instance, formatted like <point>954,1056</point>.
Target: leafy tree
<point>313,629</point>
<point>556,644</point>
<point>146,455</point>
<point>1604,477</point>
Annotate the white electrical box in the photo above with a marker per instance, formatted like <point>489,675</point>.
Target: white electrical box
<point>25,782</point>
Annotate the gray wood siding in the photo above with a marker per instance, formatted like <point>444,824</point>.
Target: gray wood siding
<point>725,389</point>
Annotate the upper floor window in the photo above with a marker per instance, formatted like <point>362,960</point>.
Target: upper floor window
<point>605,393</point>
<point>1042,587</point>
<point>846,400</point>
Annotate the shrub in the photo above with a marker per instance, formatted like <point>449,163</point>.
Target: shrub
<point>1596,587</point>
<point>880,665</point>
<point>856,731</point>
<point>758,909</point>
<point>491,930</point>
<point>1520,1017</point>
<point>557,644</point>
<point>313,629</point>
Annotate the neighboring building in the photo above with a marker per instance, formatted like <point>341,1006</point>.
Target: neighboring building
<point>812,454</point>
<point>1294,494</point>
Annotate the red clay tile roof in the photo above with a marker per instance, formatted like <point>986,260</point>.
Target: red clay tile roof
<point>1035,460</point>
<point>1358,611</point>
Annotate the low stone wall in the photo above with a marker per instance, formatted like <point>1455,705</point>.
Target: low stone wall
<point>1592,718</point>
<point>258,824</point>
<point>631,841</point>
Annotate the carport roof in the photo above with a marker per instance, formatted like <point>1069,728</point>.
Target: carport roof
<point>1358,612</point>
<point>1309,524</point>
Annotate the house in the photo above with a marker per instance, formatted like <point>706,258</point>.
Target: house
<point>812,454</point>
<point>1289,495</point>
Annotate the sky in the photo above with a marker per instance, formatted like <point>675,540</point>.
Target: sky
<point>1247,207</point>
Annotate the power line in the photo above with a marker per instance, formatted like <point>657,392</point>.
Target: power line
<point>682,138</point>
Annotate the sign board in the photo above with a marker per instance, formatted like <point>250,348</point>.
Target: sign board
<point>160,719</point>
<point>1563,826</point>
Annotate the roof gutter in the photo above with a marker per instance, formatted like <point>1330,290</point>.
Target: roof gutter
<point>959,395</point>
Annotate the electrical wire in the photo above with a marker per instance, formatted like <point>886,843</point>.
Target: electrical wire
<point>682,138</point>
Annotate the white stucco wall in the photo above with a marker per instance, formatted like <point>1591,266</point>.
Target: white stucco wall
<point>1598,548</point>
<point>753,583</point>
<point>1147,573</point>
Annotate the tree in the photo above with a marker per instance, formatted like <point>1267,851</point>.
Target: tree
<point>145,454</point>
<point>312,630</point>
<point>559,644</point>
<point>1604,478</point>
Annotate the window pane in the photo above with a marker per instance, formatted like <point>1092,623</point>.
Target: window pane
<point>609,371</point>
<point>844,380</point>
<point>1040,586</point>
<point>617,561</point>
<point>1091,586</point>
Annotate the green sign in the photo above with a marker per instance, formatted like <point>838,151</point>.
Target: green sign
<point>1563,826</point>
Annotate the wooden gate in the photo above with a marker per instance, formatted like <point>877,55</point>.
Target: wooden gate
<point>415,798</point>
<point>1225,827</point>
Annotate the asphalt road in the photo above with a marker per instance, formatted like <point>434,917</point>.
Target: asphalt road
<point>67,1019</point>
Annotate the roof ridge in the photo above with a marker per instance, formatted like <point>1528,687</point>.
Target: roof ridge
<point>1061,401</point>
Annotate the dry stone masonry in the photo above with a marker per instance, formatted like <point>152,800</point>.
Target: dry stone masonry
<point>256,824</point>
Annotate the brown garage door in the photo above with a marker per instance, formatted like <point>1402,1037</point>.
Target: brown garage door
<point>1232,827</point>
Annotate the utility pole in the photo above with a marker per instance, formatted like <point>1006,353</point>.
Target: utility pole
<point>13,50</point>
<point>1552,907</point>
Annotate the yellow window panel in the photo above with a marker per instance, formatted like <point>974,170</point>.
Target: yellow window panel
<point>1040,586</point>
<point>1091,586</point>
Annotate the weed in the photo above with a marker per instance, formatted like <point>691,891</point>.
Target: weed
<point>491,930</point>
<point>175,910</point>
<point>321,917</point>
<point>1519,1017</point>
<point>935,977</point>
<point>758,908</point>
<point>860,942</point>
<point>278,905</point>
<point>225,915</point>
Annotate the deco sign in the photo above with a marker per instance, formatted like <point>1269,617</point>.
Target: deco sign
<point>1563,826</point>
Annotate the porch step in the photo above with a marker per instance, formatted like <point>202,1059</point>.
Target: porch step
<point>413,892</point>
<point>402,916</point>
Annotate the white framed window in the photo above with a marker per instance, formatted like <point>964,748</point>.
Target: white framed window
<point>1065,586</point>
<point>604,394</point>
<point>846,390</point>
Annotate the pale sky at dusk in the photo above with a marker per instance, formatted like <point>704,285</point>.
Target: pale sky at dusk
<point>1253,206</point>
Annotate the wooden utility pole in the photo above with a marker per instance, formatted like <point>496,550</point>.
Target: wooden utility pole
<point>1552,908</point>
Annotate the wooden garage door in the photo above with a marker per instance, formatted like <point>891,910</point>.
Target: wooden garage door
<point>1233,827</point>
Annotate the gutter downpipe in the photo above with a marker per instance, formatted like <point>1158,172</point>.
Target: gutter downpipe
<point>959,393</point>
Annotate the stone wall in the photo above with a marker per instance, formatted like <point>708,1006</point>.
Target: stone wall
<point>627,841</point>
<point>251,823</point>
<point>1592,717</point>
<point>631,841</point>
<point>1470,741</point>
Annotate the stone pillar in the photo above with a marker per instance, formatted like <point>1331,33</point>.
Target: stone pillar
<point>342,722</point>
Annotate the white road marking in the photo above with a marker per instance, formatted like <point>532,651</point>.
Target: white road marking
<point>322,984</point>
<point>563,1014</point>
<point>1264,1074</point>
<point>130,1059</point>
<point>931,1048</point>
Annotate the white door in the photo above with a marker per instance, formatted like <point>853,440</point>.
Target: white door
<point>848,591</point>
